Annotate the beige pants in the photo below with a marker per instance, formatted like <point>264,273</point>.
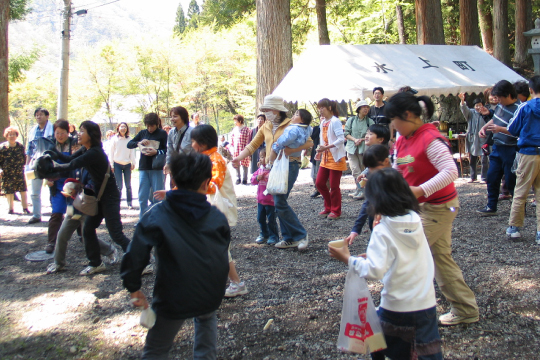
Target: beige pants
<point>437,221</point>
<point>356,163</point>
<point>528,174</point>
<point>11,198</point>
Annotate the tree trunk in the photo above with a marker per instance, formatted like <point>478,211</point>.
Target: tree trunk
<point>401,25</point>
<point>468,22</point>
<point>324,37</point>
<point>486,26</point>
<point>4,61</point>
<point>523,23</point>
<point>274,45</point>
<point>501,44</point>
<point>429,25</point>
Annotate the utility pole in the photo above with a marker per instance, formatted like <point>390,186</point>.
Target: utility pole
<point>62,112</point>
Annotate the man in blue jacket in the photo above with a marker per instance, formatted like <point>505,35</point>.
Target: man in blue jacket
<point>191,238</point>
<point>526,126</point>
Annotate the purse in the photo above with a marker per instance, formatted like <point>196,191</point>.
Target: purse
<point>86,202</point>
<point>158,161</point>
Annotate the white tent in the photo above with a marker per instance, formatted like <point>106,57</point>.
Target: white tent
<point>350,72</point>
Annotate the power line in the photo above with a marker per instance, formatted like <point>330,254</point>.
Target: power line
<point>112,2</point>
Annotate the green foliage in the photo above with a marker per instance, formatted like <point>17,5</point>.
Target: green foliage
<point>225,13</point>
<point>450,13</point>
<point>18,9</point>
<point>180,23</point>
<point>20,63</point>
<point>193,14</point>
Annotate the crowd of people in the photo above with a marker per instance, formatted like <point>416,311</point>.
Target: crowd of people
<point>402,165</point>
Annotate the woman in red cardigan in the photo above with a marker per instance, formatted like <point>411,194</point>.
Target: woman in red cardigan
<point>423,157</point>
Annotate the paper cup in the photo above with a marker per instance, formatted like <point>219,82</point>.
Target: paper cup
<point>363,183</point>
<point>337,243</point>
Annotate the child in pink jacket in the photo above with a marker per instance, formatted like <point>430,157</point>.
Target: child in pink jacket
<point>266,212</point>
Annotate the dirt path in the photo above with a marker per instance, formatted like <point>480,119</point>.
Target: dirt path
<point>65,316</point>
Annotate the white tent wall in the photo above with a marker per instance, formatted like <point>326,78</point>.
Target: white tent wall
<point>350,72</point>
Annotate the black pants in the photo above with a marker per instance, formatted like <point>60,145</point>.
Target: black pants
<point>108,209</point>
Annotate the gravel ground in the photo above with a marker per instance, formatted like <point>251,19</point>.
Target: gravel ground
<point>65,316</point>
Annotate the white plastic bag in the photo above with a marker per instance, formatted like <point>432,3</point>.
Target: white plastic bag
<point>360,330</point>
<point>148,316</point>
<point>278,180</point>
<point>225,206</point>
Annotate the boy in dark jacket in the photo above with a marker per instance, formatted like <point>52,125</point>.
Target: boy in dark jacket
<point>191,238</point>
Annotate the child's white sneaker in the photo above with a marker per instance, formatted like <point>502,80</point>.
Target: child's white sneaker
<point>235,289</point>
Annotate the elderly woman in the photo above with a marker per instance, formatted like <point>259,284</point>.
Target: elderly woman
<point>241,136</point>
<point>355,133</point>
<point>292,231</point>
<point>150,179</point>
<point>12,160</point>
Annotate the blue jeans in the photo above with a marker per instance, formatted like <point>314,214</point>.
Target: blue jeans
<point>291,229</point>
<point>268,231</point>
<point>160,338</point>
<point>126,170</point>
<point>406,332</point>
<point>500,164</point>
<point>149,181</point>
<point>37,184</point>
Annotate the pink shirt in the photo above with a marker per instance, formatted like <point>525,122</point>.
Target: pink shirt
<point>261,198</point>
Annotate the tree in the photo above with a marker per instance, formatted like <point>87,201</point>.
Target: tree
<point>501,44</point>
<point>274,45</point>
<point>225,13</point>
<point>324,38</point>
<point>20,63</point>
<point>468,22</point>
<point>523,23</point>
<point>401,25</point>
<point>193,14</point>
<point>9,10</point>
<point>180,23</point>
<point>429,25</point>
<point>486,25</point>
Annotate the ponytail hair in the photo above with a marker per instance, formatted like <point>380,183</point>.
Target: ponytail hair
<point>398,104</point>
<point>332,105</point>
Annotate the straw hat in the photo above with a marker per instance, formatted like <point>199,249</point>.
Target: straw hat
<point>273,102</point>
<point>360,104</point>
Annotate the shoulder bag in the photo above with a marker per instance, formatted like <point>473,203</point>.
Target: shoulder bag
<point>87,203</point>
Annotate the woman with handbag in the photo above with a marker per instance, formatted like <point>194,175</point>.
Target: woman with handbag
<point>92,157</point>
<point>152,162</point>
<point>122,160</point>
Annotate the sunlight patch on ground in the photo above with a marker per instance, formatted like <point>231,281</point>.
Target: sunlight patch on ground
<point>525,285</point>
<point>123,326</point>
<point>53,309</point>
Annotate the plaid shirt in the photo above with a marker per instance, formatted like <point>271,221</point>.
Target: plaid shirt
<point>240,138</point>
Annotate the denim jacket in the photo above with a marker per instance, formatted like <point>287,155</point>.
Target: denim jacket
<point>294,136</point>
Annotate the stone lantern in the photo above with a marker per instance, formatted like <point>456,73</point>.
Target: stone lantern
<point>534,34</point>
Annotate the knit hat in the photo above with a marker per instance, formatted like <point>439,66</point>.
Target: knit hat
<point>360,104</point>
<point>273,102</point>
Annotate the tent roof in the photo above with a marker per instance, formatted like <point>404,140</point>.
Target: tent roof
<point>350,72</point>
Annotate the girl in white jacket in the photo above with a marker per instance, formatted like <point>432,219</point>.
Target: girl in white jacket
<point>398,254</point>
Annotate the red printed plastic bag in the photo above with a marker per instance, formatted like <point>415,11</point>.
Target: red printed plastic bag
<point>360,330</point>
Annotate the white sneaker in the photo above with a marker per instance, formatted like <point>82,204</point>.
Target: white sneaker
<point>53,268</point>
<point>235,289</point>
<point>89,270</point>
<point>287,244</point>
<point>149,269</point>
<point>303,244</point>
<point>113,257</point>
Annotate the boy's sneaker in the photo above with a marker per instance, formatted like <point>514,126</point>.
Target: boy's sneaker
<point>513,232</point>
<point>272,241</point>
<point>303,243</point>
<point>315,194</point>
<point>235,289</point>
<point>452,319</point>
<point>359,196</point>
<point>53,268</point>
<point>113,257</point>
<point>89,270</point>
<point>538,237</point>
<point>287,244</point>
<point>486,211</point>
<point>355,193</point>
<point>261,239</point>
